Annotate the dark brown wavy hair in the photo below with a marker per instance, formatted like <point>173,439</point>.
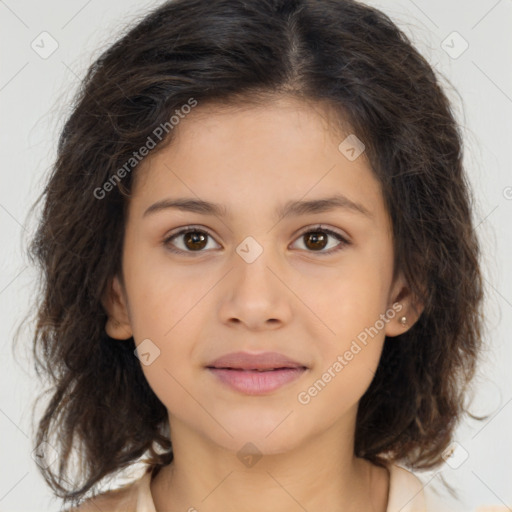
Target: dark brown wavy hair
<point>341,52</point>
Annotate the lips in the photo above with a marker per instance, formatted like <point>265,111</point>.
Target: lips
<point>265,361</point>
<point>256,374</point>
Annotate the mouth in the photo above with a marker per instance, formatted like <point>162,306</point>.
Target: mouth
<point>256,374</point>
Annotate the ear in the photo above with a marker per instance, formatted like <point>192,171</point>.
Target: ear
<point>405,304</point>
<point>114,301</point>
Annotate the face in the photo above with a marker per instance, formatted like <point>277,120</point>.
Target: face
<point>314,285</point>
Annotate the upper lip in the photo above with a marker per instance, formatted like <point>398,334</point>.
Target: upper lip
<point>261,361</point>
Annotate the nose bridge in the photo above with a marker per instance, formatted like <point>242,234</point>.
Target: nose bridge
<point>252,265</point>
<point>253,294</point>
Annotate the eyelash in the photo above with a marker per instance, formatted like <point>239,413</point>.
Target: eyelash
<point>192,229</point>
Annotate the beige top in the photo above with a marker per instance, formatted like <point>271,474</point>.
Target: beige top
<point>405,495</point>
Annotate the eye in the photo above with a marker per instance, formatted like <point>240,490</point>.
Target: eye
<point>192,240</point>
<point>317,239</point>
<point>195,240</point>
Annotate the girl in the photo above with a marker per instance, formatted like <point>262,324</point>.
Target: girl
<point>260,274</point>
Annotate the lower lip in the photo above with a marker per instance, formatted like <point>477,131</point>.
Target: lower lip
<point>252,382</point>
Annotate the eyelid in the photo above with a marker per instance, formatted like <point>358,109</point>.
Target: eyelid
<point>182,231</point>
<point>342,239</point>
<point>327,229</point>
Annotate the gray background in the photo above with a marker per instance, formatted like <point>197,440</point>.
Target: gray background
<point>34,96</point>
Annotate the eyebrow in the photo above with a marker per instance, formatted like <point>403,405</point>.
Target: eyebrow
<point>291,208</point>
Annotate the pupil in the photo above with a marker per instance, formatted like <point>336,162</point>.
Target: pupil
<point>197,240</point>
<point>317,238</point>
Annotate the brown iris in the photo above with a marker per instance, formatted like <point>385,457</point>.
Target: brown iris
<point>195,240</point>
<point>317,239</point>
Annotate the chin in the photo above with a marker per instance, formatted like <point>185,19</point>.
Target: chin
<point>264,433</point>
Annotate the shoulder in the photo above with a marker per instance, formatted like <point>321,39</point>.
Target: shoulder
<point>405,491</point>
<point>123,499</point>
<point>404,478</point>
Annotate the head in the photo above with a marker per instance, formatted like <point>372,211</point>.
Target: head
<point>252,105</point>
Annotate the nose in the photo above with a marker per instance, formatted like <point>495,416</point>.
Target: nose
<point>255,295</point>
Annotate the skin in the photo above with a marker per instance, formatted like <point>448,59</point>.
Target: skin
<point>292,299</point>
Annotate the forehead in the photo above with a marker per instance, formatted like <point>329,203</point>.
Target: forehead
<point>252,155</point>
<point>283,124</point>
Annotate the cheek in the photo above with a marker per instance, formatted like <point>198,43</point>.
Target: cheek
<point>345,300</point>
<point>161,293</point>
<point>349,350</point>
<point>167,312</point>
<point>165,382</point>
<point>349,308</point>
<point>169,373</point>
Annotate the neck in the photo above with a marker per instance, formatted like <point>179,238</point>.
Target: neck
<point>206,476</point>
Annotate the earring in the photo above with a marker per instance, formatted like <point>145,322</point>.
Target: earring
<point>403,320</point>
